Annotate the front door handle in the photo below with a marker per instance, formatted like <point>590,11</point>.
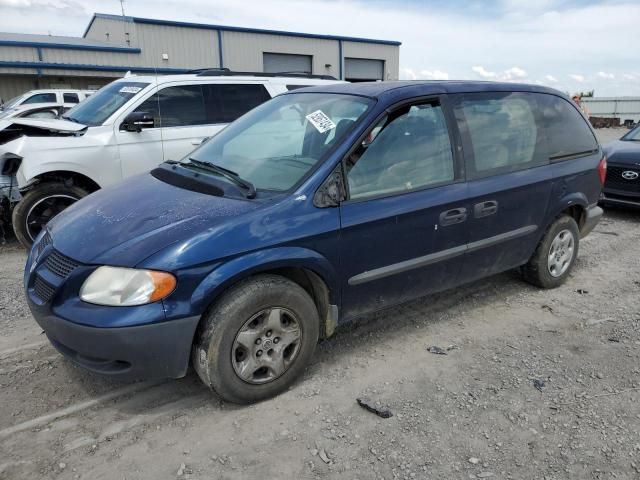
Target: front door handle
<point>453,216</point>
<point>199,141</point>
<point>484,209</point>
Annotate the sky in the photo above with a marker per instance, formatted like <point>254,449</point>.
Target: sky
<point>570,45</point>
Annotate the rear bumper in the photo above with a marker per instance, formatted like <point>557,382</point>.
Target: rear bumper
<point>159,350</point>
<point>592,217</point>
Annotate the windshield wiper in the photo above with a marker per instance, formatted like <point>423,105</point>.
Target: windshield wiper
<point>226,173</point>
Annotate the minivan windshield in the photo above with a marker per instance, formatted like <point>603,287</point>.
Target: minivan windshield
<point>276,144</point>
<point>104,103</point>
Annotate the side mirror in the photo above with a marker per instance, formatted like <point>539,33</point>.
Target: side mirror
<point>136,121</point>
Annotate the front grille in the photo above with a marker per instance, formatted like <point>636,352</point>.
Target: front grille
<point>60,264</point>
<point>616,181</point>
<point>44,241</point>
<point>43,290</point>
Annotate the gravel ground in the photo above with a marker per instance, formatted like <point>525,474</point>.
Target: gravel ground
<point>534,384</point>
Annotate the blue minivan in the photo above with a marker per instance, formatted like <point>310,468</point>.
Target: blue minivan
<point>317,207</point>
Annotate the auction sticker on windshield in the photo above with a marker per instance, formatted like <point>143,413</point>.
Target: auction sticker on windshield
<point>319,120</point>
<point>130,89</point>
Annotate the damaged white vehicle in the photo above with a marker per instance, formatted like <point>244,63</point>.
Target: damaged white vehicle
<point>127,127</point>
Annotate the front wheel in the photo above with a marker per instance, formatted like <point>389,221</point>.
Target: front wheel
<point>257,339</point>
<point>39,206</point>
<point>555,255</point>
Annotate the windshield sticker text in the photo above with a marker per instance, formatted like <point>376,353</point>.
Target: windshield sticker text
<point>130,89</point>
<point>319,120</point>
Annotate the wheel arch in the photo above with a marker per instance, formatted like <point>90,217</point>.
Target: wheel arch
<point>68,177</point>
<point>575,205</point>
<point>305,267</point>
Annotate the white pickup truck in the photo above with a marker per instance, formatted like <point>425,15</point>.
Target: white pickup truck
<point>127,127</point>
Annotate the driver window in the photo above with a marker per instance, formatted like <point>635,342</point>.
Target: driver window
<point>406,151</point>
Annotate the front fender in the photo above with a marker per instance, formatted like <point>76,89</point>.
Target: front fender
<point>228,273</point>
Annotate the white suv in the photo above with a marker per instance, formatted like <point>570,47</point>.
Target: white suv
<point>65,97</point>
<point>127,127</point>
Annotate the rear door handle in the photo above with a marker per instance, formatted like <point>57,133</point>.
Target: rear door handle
<point>453,216</point>
<point>484,209</point>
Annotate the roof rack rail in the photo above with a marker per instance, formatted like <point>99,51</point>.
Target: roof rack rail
<point>225,72</point>
<point>207,69</point>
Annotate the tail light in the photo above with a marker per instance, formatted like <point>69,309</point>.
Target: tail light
<point>602,170</point>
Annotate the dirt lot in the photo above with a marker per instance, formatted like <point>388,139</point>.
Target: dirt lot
<point>536,384</point>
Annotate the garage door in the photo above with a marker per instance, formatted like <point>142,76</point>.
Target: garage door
<point>284,62</point>
<point>363,69</point>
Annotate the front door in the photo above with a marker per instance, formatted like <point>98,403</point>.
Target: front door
<point>403,226</point>
<point>508,175</point>
<point>184,116</point>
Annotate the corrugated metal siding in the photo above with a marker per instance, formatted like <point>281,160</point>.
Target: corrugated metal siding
<point>14,85</point>
<point>389,53</point>
<point>18,54</point>
<point>116,30</point>
<point>187,47</point>
<point>625,108</point>
<point>85,57</point>
<point>244,51</point>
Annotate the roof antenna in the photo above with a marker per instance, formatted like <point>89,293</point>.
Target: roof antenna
<point>122,7</point>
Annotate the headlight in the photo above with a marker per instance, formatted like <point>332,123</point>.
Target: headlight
<point>124,287</point>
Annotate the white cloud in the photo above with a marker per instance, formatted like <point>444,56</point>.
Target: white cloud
<point>434,75</point>
<point>510,75</point>
<point>551,79</point>
<point>606,76</point>
<point>15,3</point>
<point>482,72</point>
<point>576,77</point>
<point>411,74</point>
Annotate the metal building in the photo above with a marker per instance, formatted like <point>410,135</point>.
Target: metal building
<point>627,109</point>
<point>113,44</point>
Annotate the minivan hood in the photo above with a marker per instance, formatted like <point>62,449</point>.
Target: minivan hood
<point>124,224</point>
<point>625,152</point>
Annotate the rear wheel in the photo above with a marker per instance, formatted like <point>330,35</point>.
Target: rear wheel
<point>39,206</point>
<point>257,339</point>
<point>555,255</point>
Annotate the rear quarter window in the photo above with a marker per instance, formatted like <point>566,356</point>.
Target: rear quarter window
<point>568,134</point>
<point>500,133</point>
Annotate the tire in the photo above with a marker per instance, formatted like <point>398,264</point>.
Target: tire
<point>539,270</point>
<point>226,343</point>
<point>60,197</point>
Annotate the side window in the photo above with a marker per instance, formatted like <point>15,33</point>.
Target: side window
<point>408,150</point>
<point>151,106</point>
<point>567,131</point>
<point>70,98</point>
<point>500,133</point>
<point>176,106</point>
<point>226,102</point>
<point>41,98</point>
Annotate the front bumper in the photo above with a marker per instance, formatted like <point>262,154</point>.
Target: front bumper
<point>591,219</point>
<point>608,198</point>
<point>143,352</point>
<point>125,342</point>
